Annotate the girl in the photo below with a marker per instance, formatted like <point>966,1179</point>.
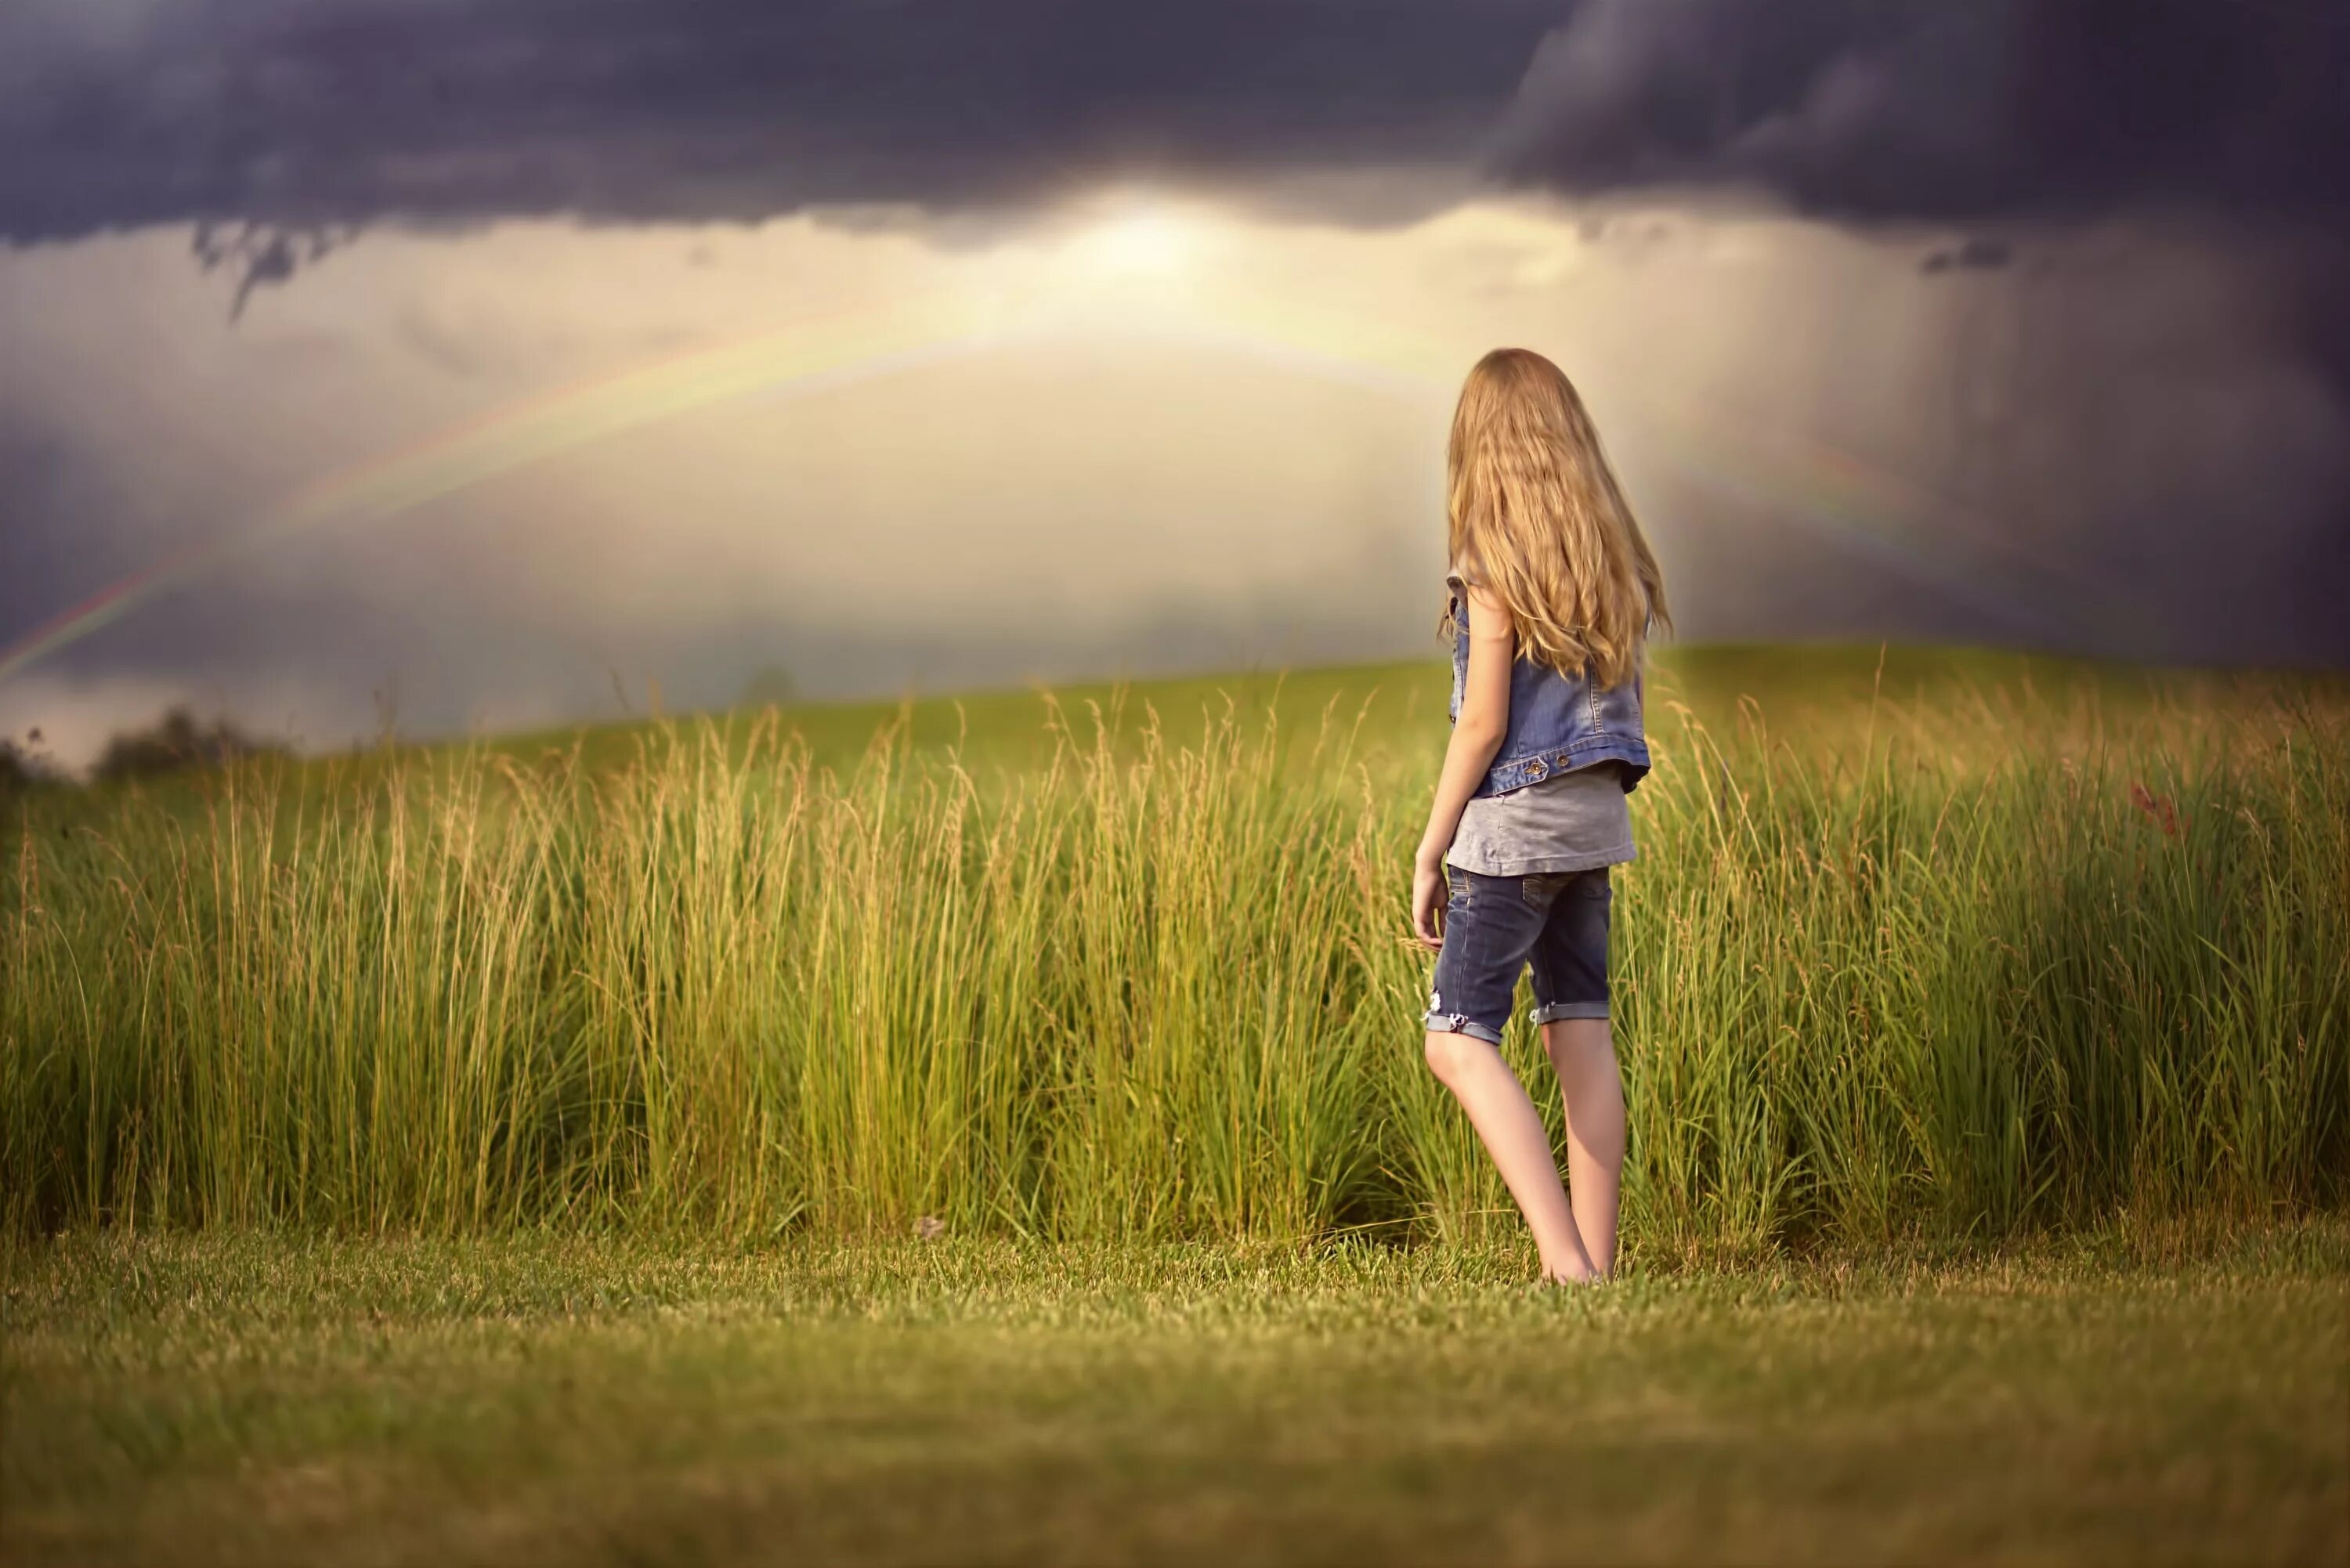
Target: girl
<point>1552,591</point>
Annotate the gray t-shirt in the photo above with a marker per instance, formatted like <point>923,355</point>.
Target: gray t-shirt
<point>1569,822</point>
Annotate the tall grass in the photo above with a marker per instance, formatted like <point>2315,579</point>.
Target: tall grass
<point>1161,988</point>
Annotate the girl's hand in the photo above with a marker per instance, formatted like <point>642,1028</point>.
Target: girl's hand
<point>1428,899</point>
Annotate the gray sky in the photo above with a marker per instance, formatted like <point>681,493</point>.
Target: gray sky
<point>1927,321</point>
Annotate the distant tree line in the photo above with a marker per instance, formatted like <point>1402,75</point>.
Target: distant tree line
<point>172,743</point>
<point>176,741</point>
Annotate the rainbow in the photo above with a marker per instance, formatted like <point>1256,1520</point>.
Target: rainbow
<point>1826,490</point>
<point>805,357</point>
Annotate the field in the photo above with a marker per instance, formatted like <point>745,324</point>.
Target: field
<point>514,1149</point>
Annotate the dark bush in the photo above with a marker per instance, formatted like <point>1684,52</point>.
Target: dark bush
<point>176,741</point>
<point>770,686</point>
<point>17,771</point>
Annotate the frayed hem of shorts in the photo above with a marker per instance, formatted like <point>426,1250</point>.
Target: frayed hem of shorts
<point>1558,1010</point>
<point>1454,1023</point>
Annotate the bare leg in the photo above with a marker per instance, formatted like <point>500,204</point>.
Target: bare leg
<point>1514,1135</point>
<point>1584,1052</point>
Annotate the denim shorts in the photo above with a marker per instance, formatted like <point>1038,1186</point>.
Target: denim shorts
<point>1496,926</point>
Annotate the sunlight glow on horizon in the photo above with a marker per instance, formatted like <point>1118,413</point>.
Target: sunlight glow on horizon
<point>1140,237</point>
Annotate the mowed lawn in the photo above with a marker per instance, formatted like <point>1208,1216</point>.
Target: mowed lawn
<point>2183,1397</point>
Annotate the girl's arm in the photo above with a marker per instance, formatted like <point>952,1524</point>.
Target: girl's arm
<point>1476,735</point>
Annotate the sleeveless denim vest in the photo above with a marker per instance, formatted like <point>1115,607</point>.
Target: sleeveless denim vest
<point>1558,723</point>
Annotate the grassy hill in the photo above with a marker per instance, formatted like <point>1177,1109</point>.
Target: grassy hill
<point>1822,698</point>
<point>1823,693</point>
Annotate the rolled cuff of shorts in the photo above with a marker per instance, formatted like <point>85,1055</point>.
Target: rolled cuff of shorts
<point>1550,1012</point>
<point>1454,1023</point>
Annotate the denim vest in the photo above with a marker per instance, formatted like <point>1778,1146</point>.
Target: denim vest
<point>1558,723</point>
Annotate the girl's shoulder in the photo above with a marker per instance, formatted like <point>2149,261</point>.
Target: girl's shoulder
<point>1460,577</point>
<point>1470,604</point>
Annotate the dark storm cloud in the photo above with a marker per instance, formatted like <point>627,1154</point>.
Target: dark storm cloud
<point>1956,108</point>
<point>2030,117</point>
<point>123,112</point>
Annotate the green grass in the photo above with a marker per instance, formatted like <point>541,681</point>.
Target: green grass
<point>1820,691</point>
<point>2157,1395</point>
<point>1922,970</point>
<point>999,732</point>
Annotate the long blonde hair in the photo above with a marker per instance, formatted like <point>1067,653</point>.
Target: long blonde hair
<point>1537,520</point>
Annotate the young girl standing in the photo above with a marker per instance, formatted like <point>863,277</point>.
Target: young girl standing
<point>1553,594</point>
